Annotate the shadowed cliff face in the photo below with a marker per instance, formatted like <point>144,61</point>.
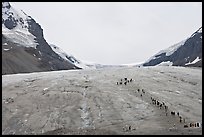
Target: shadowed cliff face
<point>187,52</point>
<point>18,25</point>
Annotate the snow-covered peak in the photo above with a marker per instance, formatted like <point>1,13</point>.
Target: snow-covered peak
<point>181,53</point>
<point>15,26</point>
<point>170,50</point>
<point>14,19</point>
<point>174,47</point>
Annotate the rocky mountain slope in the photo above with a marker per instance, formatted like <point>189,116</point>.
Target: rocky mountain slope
<point>24,48</point>
<point>185,53</point>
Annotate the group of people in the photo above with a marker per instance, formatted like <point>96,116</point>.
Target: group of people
<point>158,103</point>
<point>124,81</point>
<point>193,124</point>
<point>173,113</point>
<point>162,105</point>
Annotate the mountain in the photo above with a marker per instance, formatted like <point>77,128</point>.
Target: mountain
<point>24,48</point>
<point>185,53</point>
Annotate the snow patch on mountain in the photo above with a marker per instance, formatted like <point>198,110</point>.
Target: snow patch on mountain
<point>193,62</point>
<point>6,49</point>
<point>165,63</point>
<point>21,37</point>
<point>5,44</point>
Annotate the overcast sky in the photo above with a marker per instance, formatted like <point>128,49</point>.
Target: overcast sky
<point>114,32</point>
